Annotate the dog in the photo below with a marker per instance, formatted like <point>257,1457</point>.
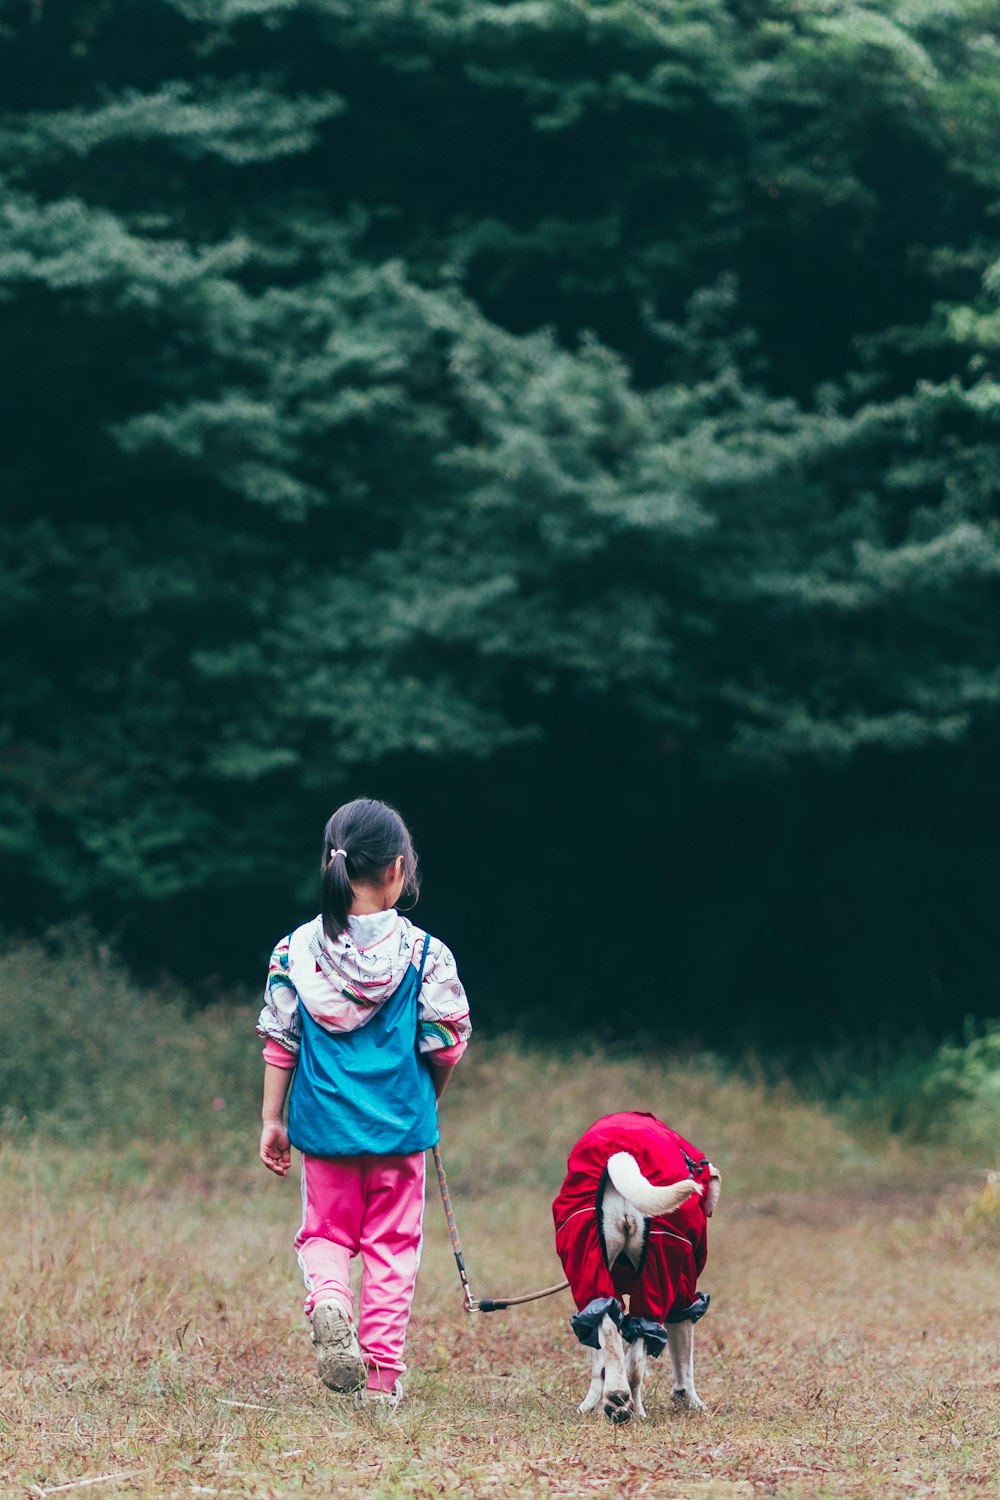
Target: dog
<point>631,1220</point>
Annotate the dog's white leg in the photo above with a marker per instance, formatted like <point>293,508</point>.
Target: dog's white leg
<point>635,1366</point>
<point>592,1397</point>
<point>617,1396</point>
<point>680,1337</point>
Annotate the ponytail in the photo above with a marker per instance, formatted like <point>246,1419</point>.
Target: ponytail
<point>360,842</point>
<point>338,892</point>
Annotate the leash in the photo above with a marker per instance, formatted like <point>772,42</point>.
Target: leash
<point>471,1303</point>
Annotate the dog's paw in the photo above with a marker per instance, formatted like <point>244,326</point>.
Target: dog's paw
<point>618,1405</point>
<point>687,1401</point>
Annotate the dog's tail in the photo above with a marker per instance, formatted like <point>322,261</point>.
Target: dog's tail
<point>651,1201</point>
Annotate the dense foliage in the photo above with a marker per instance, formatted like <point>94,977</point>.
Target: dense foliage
<point>577,420</point>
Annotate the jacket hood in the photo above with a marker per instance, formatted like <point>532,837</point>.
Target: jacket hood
<point>342,983</point>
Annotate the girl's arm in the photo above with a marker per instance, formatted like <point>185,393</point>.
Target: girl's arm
<point>440,1073</point>
<point>279,1019</point>
<point>275,1150</point>
<point>443,1026</point>
<point>278,1024</point>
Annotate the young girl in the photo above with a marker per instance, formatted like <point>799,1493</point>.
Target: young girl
<point>369,1014</point>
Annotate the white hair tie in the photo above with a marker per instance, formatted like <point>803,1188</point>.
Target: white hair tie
<point>335,852</point>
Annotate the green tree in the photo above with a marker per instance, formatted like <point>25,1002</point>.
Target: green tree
<point>420,383</point>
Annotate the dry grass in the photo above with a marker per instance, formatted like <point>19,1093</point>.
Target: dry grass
<point>152,1327</point>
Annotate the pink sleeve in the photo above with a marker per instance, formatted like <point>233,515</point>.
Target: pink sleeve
<point>447,1057</point>
<point>277,1055</point>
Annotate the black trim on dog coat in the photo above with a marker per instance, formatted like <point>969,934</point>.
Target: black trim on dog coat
<point>588,1320</point>
<point>644,1328</point>
<point>698,1309</point>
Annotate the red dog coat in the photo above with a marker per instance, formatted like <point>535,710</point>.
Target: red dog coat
<point>666,1281</point>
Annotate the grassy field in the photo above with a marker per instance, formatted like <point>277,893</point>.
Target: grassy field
<point>153,1338</point>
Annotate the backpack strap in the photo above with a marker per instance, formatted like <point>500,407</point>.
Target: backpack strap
<point>423,959</point>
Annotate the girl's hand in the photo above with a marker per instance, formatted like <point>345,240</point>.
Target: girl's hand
<point>275,1151</point>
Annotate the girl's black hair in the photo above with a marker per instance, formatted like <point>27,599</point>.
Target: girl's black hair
<point>373,836</point>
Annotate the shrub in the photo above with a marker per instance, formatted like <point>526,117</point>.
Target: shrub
<point>965,1087</point>
<point>87,1051</point>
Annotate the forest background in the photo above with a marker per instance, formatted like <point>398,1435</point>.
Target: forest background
<point>575,422</point>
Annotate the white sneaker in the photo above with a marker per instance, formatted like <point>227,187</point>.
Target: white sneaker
<point>381,1401</point>
<point>337,1350</point>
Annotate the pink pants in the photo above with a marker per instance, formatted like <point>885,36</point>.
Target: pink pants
<point>372,1206</point>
